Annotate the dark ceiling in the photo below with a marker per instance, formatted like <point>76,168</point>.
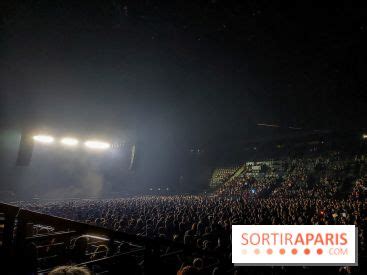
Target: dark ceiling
<point>183,70</point>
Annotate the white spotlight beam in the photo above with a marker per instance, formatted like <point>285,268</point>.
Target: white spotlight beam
<point>69,141</point>
<point>43,139</point>
<point>96,144</point>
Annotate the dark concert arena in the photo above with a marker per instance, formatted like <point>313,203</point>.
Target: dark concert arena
<point>196,137</point>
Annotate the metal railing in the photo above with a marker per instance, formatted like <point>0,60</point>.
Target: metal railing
<point>19,244</point>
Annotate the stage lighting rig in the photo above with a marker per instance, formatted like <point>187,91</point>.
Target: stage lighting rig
<point>44,139</point>
<point>96,144</point>
<point>69,141</point>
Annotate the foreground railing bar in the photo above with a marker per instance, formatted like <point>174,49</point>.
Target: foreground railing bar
<point>8,208</point>
<point>51,235</point>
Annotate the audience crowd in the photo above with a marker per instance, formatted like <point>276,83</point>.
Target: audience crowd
<point>327,190</point>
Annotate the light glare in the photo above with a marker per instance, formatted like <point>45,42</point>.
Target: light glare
<point>43,139</point>
<point>69,141</point>
<point>95,144</point>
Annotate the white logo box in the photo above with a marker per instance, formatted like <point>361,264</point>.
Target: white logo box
<point>305,245</point>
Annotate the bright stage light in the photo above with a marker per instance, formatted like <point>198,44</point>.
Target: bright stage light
<point>95,144</point>
<point>43,139</point>
<point>69,141</point>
